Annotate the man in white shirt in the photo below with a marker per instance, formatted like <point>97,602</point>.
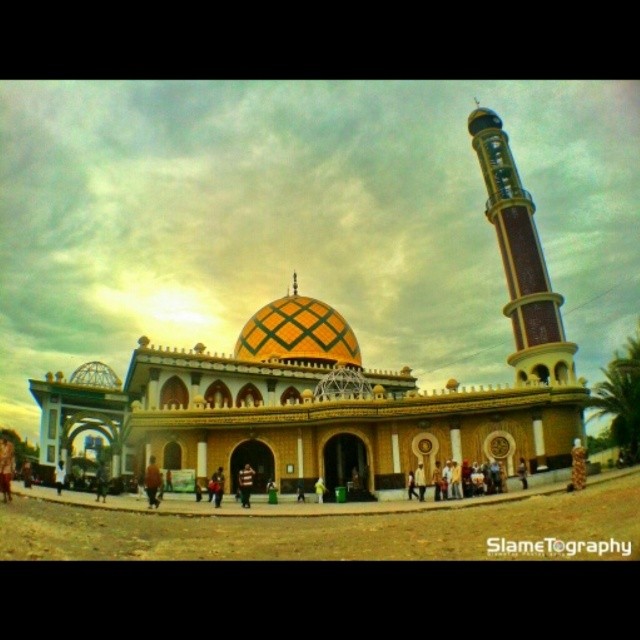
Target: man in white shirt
<point>421,481</point>
<point>447,476</point>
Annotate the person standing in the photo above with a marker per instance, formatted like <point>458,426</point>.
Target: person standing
<point>169,481</point>
<point>152,482</point>
<point>27,474</point>
<point>61,476</point>
<point>411,485</point>
<point>447,472</point>
<point>219,489</point>
<point>456,481</point>
<point>7,468</point>
<point>503,478</point>
<point>579,465</point>
<point>102,482</point>
<point>436,479</point>
<point>301,496</point>
<point>522,473</point>
<point>198,491</point>
<point>421,481</point>
<point>321,489</point>
<point>245,480</point>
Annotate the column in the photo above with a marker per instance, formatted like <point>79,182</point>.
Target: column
<point>538,439</point>
<point>395,452</point>
<point>115,465</point>
<point>201,471</point>
<point>300,455</point>
<point>456,445</point>
<point>147,454</point>
<point>152,392</point>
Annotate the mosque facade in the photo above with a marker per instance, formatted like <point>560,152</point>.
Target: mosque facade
<point>295,401</point>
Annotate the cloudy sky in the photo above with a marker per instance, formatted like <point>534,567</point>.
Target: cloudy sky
<point>177,209</point>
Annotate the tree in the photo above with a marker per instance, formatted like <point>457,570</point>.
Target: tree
<point>619,396</point>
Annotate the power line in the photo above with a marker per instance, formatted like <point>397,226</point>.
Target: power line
<point>568,312</point>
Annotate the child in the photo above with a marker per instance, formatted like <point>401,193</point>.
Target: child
<point>301,496</point>
<point>61,476</point>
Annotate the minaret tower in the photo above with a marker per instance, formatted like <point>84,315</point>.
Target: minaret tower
<point>542,352</point>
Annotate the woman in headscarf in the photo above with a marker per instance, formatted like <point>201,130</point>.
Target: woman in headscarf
<point>7,467</point>
<point>579,467</point>
<point>321,489</point>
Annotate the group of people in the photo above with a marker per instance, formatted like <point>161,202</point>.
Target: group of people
<point>455,482</point>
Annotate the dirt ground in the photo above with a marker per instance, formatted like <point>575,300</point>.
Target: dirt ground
<point>44,531</point>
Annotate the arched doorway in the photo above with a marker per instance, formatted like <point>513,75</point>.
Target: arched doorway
<point>172,458</point>
<point>342,454</point>
<point>261,459</point>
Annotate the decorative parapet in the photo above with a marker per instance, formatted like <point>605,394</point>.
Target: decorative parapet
<point>370,410</point>
<point>379,404</point>
<point>198,352</point>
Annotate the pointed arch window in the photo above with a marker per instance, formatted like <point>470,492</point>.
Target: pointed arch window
<point>249,396</point>
<point>290,396</point>
<point>218,394</point>
<point>174,392</point>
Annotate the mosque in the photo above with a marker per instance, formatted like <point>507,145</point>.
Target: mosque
<point>295,401</point>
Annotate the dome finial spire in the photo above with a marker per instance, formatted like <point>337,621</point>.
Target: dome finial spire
<point>295,283</point>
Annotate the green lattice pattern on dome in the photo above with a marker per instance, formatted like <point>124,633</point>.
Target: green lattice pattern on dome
<point>298,327</point>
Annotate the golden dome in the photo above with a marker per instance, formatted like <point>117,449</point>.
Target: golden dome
<point>298,328</point>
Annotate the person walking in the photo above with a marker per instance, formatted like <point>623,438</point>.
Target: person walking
<point>219,488</point>
<point>169,481</point>
<point>411,485</point>
<point>152,482</point>
<point>102,482</point>
<point>321,489</point>
<point>61,476</point>
<point>421,481</point>
<point>245,481</point>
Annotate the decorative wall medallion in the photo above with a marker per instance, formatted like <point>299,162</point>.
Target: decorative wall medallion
<point>499,447</point>
<point>425,446</point>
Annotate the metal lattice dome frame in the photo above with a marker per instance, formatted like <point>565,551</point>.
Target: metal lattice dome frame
<point>95,374</point>
<point>343,384</point>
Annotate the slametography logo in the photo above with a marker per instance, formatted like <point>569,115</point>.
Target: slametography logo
<point>554,547</point>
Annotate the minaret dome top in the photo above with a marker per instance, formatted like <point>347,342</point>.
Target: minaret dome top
<point>481,119</point>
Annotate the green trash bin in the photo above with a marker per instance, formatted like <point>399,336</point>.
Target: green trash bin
<point>273,496</point>
<point>341,494</point>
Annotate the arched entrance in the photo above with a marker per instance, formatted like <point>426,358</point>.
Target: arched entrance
<point>261,459</point>
<point>172,458</point>
<point>342,454</point>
